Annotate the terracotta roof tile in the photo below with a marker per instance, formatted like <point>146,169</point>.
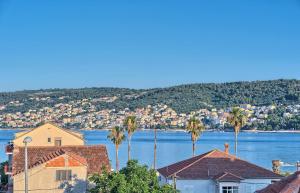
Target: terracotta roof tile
<point>95,156</point>
<point>214,163</point>
<point>290,184</point>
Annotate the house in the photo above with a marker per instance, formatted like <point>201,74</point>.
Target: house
<point>216,172</point>
<point>290,184</point>
<point>58,159</point>
<point>49,135</point>
<point>56,169</point>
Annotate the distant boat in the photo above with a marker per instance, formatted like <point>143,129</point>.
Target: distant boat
<point>283,164</point>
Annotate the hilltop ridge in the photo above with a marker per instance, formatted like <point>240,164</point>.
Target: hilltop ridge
<point>182,98</point>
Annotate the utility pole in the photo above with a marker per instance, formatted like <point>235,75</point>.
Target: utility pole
<point>26,141</point>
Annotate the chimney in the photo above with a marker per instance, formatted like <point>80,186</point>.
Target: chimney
<point>276,166</point>
<point>298,166</point>
<point>226,145</point>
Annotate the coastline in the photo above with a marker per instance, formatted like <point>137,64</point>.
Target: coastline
<point>171,130</point>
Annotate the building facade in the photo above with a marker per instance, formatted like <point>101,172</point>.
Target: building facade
<point>49,135</point>
<point>58,161</point>
<point>216,172</point>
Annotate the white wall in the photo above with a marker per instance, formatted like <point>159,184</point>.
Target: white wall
<point>191,186</point>
<point>210,186</point>
<point>251,185</point>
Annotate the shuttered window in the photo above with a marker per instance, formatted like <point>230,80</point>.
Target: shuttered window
<point>63,175</point>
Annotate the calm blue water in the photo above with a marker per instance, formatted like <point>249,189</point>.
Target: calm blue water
<point>258,148</point>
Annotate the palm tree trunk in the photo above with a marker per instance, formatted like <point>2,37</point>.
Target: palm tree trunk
<point>117,158</point>
<point>129,146</point>
<point>154,161</point>
<point>236,142</point>
<point>194,148</point>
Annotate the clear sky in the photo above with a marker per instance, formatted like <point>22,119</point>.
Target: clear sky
<point>146,43</point>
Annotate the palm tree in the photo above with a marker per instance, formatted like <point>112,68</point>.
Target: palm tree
<point>130,126</point>
<point>237,119</point>
<point>195,127</point>
<point>116,135</point>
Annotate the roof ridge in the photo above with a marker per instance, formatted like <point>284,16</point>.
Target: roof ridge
<point>225,173</point>
<point>62,147</point>
<point>234,175</point>
<point>51,123</point>
<point>257,166</point>
<point>205,154</point>
<point>235,157</point>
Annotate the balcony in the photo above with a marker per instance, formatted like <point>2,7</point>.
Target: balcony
<point>9,149</point>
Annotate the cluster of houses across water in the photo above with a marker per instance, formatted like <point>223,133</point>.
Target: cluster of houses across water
<point>84,114</point>
<point>58,158</point>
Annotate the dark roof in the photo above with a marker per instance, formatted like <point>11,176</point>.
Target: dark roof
<point>212,164</point>
<point>95,157</point>
<point>227,177</point>
<point>290,184</point>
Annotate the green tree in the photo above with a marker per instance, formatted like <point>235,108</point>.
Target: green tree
<point>134,178</point>
<point>237,119</point>
<point>117,136</point>
<point>4,177</point>
<point>113,182</point>
<point>130,126</point>
<point>195,127</point>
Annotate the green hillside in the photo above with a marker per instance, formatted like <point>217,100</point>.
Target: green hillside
<point>183,98</point>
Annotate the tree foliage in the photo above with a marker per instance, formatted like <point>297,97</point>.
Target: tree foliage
<point>183,98</point>
<point>4,177</point>
<point>134,178</point>
<point>195,127</point>
<point>117,136</point>
<point>277,121</point>
<point>237,119</point>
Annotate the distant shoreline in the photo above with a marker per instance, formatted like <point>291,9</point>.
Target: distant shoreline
<point>174,130</point>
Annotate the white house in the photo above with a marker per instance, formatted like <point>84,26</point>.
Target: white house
<point>216,172</point>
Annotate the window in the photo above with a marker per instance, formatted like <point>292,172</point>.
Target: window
<point>57,141</point>
<point>63,175</point>
<point>230,189</point>
<point>49,140</point>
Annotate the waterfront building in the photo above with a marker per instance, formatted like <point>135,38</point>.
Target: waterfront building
<point>58,160</point>
<point>216,172</point>
<point>49,135</point>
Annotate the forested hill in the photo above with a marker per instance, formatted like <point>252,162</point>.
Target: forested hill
<point>183,98</point>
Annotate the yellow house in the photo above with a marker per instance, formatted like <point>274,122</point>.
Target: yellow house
<point>58,160</point>
<point>49,135</point>
<point>58,169</point>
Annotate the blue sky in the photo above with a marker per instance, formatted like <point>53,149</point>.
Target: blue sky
<point>142,44</point>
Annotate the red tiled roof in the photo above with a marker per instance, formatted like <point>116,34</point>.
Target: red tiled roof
<point>213,164</point>
<point>95,157</point>
<point>290,184</point>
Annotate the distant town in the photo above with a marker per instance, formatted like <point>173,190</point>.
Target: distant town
<point>269,105</point>
<point>82,114</point>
